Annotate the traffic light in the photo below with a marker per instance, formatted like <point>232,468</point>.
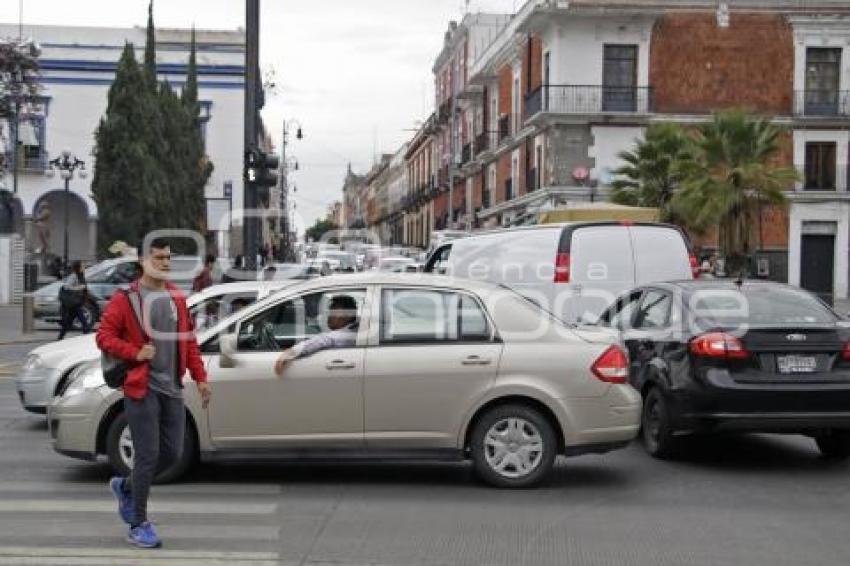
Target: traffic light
<point>261,168</point>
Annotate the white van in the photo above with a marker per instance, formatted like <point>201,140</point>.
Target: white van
<point>573,270</point>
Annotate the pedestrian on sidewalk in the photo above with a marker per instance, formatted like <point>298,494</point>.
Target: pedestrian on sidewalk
<point>161,347</point>
<point>204,278</point>
<point>73,296</point>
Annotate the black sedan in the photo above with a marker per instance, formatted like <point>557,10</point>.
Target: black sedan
<point>721,355</point>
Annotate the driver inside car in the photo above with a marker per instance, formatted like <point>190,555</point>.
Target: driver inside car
<point>342,333</point>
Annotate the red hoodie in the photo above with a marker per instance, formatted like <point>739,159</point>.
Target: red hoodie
<point>120,336</point>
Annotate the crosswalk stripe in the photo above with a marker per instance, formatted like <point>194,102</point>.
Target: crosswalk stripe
<point>83,555</point>
<point>47,528</point>
<point>156,507</point>
<point>188,489</point>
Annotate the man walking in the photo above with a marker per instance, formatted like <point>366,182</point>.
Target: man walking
<point>73,297</point>
<point>160,347</point>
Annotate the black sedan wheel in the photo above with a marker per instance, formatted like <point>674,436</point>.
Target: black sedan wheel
<point>657,430</point>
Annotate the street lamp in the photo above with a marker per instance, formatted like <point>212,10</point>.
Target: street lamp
<point>66,164</point>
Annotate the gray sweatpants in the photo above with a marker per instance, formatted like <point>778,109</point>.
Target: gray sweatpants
<point>157,425</point>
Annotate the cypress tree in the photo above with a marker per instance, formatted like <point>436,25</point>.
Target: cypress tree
<point>151,166</point>
<point>150,51</point>
<point>126,176</point>
<point>197,163</point>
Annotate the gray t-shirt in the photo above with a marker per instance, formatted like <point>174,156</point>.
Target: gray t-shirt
<point>160,320</point>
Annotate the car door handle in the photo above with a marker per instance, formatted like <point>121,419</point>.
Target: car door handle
<point>476,361</point>
<point>340,364</point>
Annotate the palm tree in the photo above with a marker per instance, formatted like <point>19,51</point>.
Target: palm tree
<point>732,175</point>
<point>651,173</point>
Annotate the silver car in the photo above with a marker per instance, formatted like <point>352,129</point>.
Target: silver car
<point>442,368</point>
<point>48,368</point>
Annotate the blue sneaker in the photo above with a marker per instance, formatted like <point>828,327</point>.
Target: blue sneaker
<point>125,500</point>
<point>144,536</point>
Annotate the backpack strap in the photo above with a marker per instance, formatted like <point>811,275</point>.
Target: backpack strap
<point>136,304</point>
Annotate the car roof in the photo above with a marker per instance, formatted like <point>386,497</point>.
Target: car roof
<point>240,287</point>
<point>389,278</point>
<point>721,284</point>
<point>560,226</point>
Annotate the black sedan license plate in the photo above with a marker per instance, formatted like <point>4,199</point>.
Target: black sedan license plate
<point>796,364</point>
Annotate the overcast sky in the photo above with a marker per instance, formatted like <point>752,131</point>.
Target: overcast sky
<point>355,73</point>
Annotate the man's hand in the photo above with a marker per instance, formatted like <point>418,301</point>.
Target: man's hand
<point>146,353</point>
<point>206,392</point>
<point>283,362</point>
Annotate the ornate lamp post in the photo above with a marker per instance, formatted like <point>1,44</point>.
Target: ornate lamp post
<point>67,163</point>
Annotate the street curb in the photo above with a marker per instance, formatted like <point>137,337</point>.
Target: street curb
<point>25,341</point>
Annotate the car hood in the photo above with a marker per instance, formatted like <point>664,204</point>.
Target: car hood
<point>51,290</point>
<point>58,354</point>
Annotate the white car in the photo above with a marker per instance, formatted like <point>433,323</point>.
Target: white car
<point>47,368</point>
<point>441,368</point>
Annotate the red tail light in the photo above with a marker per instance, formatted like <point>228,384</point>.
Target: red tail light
<point>845,352</point>
<point>719,345</point>
<point>695,269</point>
<point>562,268</point>
<point>612,366</point>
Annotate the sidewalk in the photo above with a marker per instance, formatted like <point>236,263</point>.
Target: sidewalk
<point>10,328</point>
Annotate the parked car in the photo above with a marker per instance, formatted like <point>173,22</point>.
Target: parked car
<point>48,367</point>
<point>394,264</point>
<point>573,270</point>
<point>346,261</point>
<point>487,376</point>
<point>103,279</point>
<point>714,355</point>
<point>285,271</point>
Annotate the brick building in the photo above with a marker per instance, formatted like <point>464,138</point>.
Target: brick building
<point>532,110</point>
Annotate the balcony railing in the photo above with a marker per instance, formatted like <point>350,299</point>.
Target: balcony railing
<point>580,99</point>
<point>36,163</point>
<point>466,154</point>
<point>481,143</point>
<point>504,127</point>
<point>822,103</point>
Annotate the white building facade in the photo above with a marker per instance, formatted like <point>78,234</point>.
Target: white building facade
<point>78,66</point>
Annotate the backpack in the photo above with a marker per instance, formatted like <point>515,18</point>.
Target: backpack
<point>115,369</point>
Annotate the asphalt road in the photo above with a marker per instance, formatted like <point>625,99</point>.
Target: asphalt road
<point>753,500</point>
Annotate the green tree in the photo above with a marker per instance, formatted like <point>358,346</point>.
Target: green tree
<point>651,173</point>
<point>150,51</point>
<point>163,133</point>
<point>319,229</point>
<point>733,174</point>
<point>198,166</point>
<point>127,178</point>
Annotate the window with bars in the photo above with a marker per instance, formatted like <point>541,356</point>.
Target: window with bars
<point>823,68</point>
<point>619,78</point>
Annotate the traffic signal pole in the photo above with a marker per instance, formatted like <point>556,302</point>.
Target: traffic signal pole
<point>251,220</point>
